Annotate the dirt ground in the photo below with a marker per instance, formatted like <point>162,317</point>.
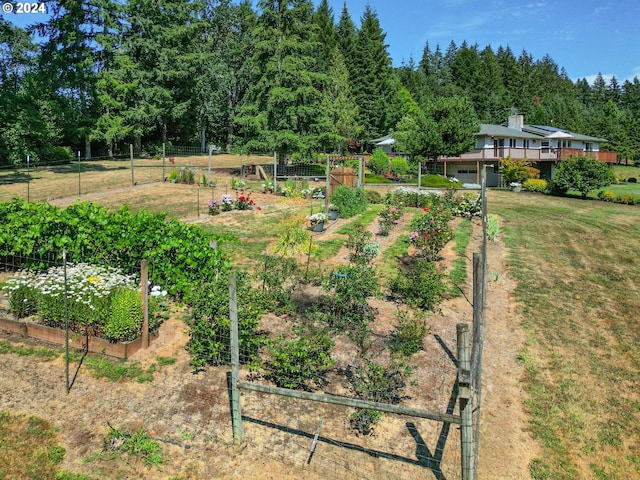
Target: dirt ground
<point>190,413</point>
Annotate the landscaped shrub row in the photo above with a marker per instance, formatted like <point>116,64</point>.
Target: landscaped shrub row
<point>609,196</point>
<point>179,255</point>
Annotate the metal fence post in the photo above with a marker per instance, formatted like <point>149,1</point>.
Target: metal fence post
<point>131,158</point>
<point>236,413</point>
<point>144,291</point>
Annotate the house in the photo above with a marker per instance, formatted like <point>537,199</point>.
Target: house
<point>543,146</point>
<point>386,144</point>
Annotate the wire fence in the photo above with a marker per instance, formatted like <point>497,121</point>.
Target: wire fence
<point>326,435</point>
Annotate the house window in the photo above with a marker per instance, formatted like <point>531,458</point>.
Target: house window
<point>588,146</point>
<point>525,143</point>
<point>512,143</point>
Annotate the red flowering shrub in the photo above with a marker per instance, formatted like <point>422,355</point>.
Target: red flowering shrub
<point>431,232</point>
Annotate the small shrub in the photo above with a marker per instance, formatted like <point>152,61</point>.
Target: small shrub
<point>380,383</point>
<point>186,175</point>
<point>363,420</point>
<point>431,232</point>
<point>358,240</point>
<point>399,166</point>
<point>373,196</point>
<point>350,201</point>
<point>348,287</point>
<point>407,337</point>
<point>379,162</point>
<point>299,364</point>
<point>627,199</point>
<point>419,284</point>
<point>607,195</point>
<point>536,185</point>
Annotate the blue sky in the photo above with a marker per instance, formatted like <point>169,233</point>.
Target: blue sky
<point>585,37</point>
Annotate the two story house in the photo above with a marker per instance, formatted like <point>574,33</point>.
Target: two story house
<point>543,146</point>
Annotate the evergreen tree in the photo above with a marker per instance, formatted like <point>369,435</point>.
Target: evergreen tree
<point>282,110</point>
<point>373,79</point>
<point>346,39</point>
<point>327,39</point>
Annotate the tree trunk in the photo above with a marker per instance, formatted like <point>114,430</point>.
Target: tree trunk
<point>87,149</point>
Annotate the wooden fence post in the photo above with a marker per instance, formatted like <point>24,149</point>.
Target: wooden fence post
<point>466,402</point>
<point>131,160</point>
<point>144,291</point>
<point>236,412</point>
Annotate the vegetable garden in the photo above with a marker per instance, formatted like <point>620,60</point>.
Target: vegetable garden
<point>321,300</point>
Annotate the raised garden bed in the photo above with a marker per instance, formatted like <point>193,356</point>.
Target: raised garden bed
<point>77,342</point>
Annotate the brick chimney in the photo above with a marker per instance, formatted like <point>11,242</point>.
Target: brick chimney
<point>516,121</point>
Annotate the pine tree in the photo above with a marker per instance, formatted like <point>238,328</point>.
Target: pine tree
<point>282,110</point>
<point>373,79</point>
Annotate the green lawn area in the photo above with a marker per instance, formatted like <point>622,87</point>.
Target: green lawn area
<point>577,267</point>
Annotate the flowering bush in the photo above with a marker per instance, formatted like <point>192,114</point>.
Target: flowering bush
<point>390,214</point>
<point>100,299</point>
<point>431,232</point>
<point>317,218</point>
<point>238,184</point>
<point>333,207</point>
<point>214,207</point>
<point>245,202</point>
<point>267,186</point>
<point>227,202</point>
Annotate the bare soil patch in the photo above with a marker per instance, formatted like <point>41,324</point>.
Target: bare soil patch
<point>190,413</point>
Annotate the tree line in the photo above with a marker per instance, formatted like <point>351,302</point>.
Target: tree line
<point>285,77</point>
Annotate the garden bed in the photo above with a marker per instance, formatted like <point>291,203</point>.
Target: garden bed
<point>76,341</point>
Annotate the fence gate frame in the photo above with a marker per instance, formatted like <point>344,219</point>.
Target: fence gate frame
<point>463,386</point>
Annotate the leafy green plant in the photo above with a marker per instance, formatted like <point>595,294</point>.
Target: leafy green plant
<point>125,319</point>
<point>419,283</point>
<point>398,166</point>
<point>373,196</point>
<point>379,162</point>
<point>350,201</point>
<point>301,363</point>
<point>431,232</point>
<point>409,332</point>
<point>277,277</point>
<point>493,226</point>
<point>293,240</point>
<point>513,170</point>
<point>377,383</point>
<point>348,287</point>
<point>363,420</point>
<point>581,173</point>
<point>209,327</point>
<point>536,185</point>
<point>361,251</point>
<point>138,444</point>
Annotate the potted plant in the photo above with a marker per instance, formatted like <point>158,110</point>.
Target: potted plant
<point>333,211</point>
<point>267,186</point>
<point>317,221</point>
<point>515,186</point>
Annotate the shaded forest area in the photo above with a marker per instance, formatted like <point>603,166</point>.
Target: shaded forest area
<point>284,77</point>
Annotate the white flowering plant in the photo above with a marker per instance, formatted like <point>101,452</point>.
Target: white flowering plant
<point>317,218</point>
<point>88,294</point>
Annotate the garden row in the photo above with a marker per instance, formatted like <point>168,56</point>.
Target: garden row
<point>303,355</point>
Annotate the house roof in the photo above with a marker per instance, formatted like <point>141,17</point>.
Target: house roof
<point>547,131</point>
<point>491,130</point>
<point>379,141</point>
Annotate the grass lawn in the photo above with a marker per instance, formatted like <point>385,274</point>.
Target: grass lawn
<point>577,267</point>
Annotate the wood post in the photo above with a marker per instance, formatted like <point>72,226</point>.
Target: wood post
<point>144,291</point>
<point>466,402</point>
<point>131,159</point>
<point>236,412</point>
